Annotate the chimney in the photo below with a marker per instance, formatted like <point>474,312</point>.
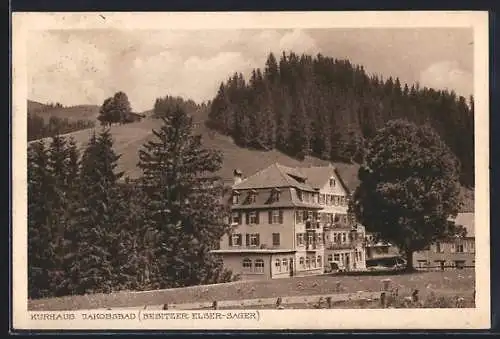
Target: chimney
<point>238,176</point>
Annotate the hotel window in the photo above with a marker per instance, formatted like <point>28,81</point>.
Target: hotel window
<point>330,257</point>
<point>313,261</point>
<point>308,262</point>
<point>310,239</point>
<point>277,264</point>
<point>322,199</point>
<point>252,197</point>
<point>336,257</point>
<point>276,219</point>
<point>236,218</point>
<point>335,200</point>
<point>343,238</point>
<point>299,217</point>
<point>299,194</point>
<point>332,182</point>
<point>276,195</point>
<point>253,239</point>
<point>236,198</point>
<point>276,239</point>
<point>236,240</point>
<point>284,263</point>
<point>310,216</point>
<point>471,246</point>
<point>301,261</point>
<point>259,266</point>
<point>460,248</point>
<point>247,264</point>
<point>300,239</point>
<point>319,260</point>
<point>253,218</point>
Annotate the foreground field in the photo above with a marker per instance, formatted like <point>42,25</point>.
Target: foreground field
<point>450,283</point>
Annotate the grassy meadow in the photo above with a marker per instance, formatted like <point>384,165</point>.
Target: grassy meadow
<point>450,284</point>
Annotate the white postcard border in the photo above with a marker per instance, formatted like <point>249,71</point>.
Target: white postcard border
<point>476,318</point>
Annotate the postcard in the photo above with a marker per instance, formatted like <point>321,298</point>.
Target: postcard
<point>250,170</point>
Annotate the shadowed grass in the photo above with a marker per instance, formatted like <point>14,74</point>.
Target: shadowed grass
<point>451,283</point>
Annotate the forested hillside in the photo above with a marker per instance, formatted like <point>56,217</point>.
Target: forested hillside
<point>46,120</point>
<point>328,108</point>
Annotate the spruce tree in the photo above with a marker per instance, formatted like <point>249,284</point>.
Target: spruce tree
<point>40,246</point>
<point>183,204</point>
<point>92,230</point>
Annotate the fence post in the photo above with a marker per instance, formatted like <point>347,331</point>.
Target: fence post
<point>338,286</point>
<point>279,303</point>
<point>382,299</point>
<point>414,296</point>
<point>386,283</point>
<point>329,302</point>
<point>165,306</point>
<point>214,304</point>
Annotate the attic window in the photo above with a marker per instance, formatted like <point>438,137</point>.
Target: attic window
<point>276,195</point>
<point>299,194</point>
<point>297,178</point>
<point>252,196</point>
<point>236,197</point>
<point>332,182</point>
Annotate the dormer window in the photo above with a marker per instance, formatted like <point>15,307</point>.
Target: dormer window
<point>276,195</point>
<point>252,197</point>
<point>332,182</point>
<point>236,197</point>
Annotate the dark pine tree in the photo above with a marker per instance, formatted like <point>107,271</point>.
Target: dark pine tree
<point>94,226</point>
<point>184,204</point>
<point>40,245</point>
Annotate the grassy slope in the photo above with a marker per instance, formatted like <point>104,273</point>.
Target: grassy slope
<point>129,138</point>
<point>452,282</point>
<point>73,113</point>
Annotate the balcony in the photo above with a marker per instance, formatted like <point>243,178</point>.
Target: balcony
<point>311,247</point>
<point>341,246</point>
<point>313,224</point>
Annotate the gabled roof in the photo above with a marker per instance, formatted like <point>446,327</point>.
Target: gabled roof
<point>318,176</point>
<point>275,175</point>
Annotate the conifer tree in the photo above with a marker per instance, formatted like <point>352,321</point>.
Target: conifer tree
<point>183,204</point>
<point>94,224</point>
<point>40,246</point>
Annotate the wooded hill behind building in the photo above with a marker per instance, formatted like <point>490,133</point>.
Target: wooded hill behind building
<point>304,105</point>
<point>90,232</point>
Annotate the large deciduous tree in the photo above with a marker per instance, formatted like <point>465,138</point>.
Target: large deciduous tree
<point>115,109</point>
<point>409,187</point>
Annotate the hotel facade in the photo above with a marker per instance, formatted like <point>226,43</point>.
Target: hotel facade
<point>290,222</point>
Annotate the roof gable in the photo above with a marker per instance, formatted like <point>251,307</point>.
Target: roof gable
<point>275,175</point>
<point>318,176</point>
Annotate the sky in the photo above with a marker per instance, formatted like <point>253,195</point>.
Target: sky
<point>76,67</point>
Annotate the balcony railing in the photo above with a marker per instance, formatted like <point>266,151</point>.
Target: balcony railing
<point>313,225</point>
<point>340,246</point>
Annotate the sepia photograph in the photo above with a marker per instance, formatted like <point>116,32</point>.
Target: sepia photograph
<point>322,170</point>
